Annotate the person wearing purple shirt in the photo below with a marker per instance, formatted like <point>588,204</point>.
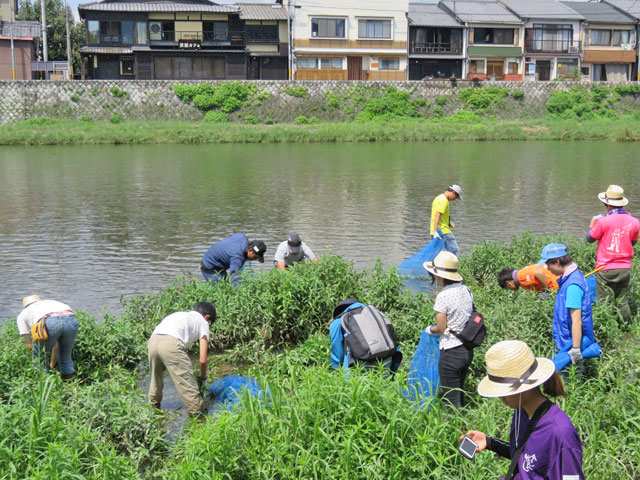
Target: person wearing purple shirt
<point>543,443</point>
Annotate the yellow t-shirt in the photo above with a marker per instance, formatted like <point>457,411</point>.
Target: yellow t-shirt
<point>440,204</point>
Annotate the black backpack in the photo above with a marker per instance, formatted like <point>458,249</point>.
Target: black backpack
<point>474,331</point>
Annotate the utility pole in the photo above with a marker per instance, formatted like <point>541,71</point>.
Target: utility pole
<point>43,20</point>
<point>66,26</point>
<point>12,18</point>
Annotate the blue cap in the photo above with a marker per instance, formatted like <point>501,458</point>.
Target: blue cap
<point>553,250</point>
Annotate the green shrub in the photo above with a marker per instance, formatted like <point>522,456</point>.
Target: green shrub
<point>118,92</point>
<point>296,91</point>
<point>227,96</point>
<point>580,102</point>
<point>464,116</point>
<point>442,100</point>
<point>481,99</point>
<point>251,119</point>
<point>627,89</point>
<point>115,118</point>
<point>517,94</point>
<point>393,104</point>
<point>304,120</point>
<point>75,98</point>
<point>216,116</point>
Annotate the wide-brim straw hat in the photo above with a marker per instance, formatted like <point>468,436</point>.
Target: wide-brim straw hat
<point>512,369</point>
<point>614,196</point>
<point>29,299</point>
<point>445,265</point>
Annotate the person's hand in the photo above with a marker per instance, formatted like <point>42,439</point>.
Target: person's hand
<point>478,437</point>
<point>452,225</point>
<point>428,330</point>
<point>594,220</point>
<point>576,355</point>
<point>437,235</point>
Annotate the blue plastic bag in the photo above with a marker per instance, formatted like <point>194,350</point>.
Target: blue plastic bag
<point>412,266</point>
<point>424,377</point>
<point>589,349</point>
<point>226,391</point>
<point>592,288</point>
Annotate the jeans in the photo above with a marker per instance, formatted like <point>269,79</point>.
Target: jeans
<point>214,277</point>
<point>63,331</point>
<point>450,243</point>
<point>614,285</point>
<point>453,368</point>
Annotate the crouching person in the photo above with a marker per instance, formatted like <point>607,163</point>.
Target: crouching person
<point>361,334</point>
<point>169,350</point>
<point>52,325</point>
<point>543,442</point>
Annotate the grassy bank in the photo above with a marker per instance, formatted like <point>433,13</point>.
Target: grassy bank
<point>318,424</point>
<point>78,132</point>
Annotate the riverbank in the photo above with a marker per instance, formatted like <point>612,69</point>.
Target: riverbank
<point>318,424</point>
<point>449,129</point>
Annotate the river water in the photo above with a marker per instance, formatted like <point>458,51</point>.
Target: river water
<point>86,225</point>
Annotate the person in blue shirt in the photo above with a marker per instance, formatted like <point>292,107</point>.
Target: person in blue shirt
<point>228,256</point>
<point>572,317</point>
<point>337,356</point>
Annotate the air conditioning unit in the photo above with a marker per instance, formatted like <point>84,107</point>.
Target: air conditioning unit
<point>155,30</point>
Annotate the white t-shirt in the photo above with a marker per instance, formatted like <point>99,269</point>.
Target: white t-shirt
<point>456,302</point>
<point>36,311</point>
<point>285,254</point>
<point>189,327</point>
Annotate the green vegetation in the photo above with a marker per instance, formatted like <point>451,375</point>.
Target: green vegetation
<point>118,92</point>
<point>589,103</point>
<point>318,423</point>
<point>227,97</point>
<point>481,99</point>
<point>296,91</point>
<point>440,128</point>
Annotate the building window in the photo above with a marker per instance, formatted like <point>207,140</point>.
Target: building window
<point>567,68</point>
<point>126,66</point>
<point>110,32</point>
<point>328,27</point>
<point>600,37</point>
<point>377,29</point>
<point>512,67</point>
<point>620,37</point>
<point>93,32</point>
<point>389,64</point>
<point>127,32</point>
<point>141,33</point>
<point>215,31</point>
<point>307,63</point>
<point>331,63</point>
<point>493,36</point>
<point>159,31</point>
<point>477,66</point>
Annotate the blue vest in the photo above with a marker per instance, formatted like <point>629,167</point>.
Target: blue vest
<point>562,316</point>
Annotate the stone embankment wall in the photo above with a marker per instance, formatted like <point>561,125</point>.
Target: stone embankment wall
<point>155,100</point>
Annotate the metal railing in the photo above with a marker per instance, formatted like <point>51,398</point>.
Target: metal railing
<point>205,37</point>
<point>436,48</point>
<point>552,46</point>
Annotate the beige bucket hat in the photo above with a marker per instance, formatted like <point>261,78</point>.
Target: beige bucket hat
<point>445,265</point>
<point>614,196</point>
<point>28,300</point>
<point>512,368</point>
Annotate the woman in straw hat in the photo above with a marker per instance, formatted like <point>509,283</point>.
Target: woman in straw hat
<point>453,306</point>
<point>543,442</point>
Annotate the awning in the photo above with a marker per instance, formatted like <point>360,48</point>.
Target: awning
<point>609,56</point>
<point>499,52</point>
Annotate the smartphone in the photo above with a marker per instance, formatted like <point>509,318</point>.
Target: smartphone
<point>468,448</point>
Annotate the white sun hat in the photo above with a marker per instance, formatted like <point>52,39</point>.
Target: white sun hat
<point>614,196</point>
<point>445,265</point>
<point>456,188</point>
<point>29,299</point>
<point>512,368</point>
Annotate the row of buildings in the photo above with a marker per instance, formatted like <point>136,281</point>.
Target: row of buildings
<point>358,39</point>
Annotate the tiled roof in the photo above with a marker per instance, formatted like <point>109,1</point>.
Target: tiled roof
<point>481,11</point>
<point>599,12</point>
<point>157,6</point>
<point>19,29</point>
<point>546,9</point>
<point>632,7</point>
<point>430,14</point>
<point>106,50</point>
<point>262,12</point>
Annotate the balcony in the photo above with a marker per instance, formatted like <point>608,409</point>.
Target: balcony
<point>436,48</point>
<point>552,46</point>
<point>206,37</point>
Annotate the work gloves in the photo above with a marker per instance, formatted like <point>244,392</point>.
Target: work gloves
<point>576,355</point>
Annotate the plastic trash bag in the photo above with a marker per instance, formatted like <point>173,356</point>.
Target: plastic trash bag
<point>423,378</point>
<point>592,288</point>
<point>412,266</point>
<point>589,348</point>
<point>226,391</point>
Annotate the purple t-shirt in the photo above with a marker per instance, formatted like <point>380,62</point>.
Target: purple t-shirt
<point>553,450</point>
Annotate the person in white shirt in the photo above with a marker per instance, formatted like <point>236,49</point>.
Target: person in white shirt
<point>62,329</point>
<point>169,350</point>
<point>291,251</point>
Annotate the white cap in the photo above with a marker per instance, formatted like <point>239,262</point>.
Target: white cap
<point>456,188</point>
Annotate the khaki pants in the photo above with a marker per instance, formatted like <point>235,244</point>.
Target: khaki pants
<point>614,285</point>
<point>169,353</point>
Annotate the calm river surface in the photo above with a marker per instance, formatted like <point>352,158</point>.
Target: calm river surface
<point>86,225</point>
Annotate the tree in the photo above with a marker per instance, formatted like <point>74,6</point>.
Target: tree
<point>56,33</point>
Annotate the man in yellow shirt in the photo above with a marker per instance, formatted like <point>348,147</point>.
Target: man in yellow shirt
<point>441,224</point>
